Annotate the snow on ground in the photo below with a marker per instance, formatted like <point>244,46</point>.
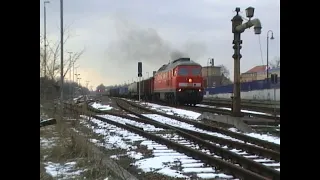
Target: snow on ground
<point>151,128</point>
<point>229,109</point>
<point>132,115</point>
<point>176,123</point>
<point>77,98</point>
<point>265,137</point>
<point>193,115</point>
<point>163,159</point>
<point>63,171</point>
<point>174,111</point>
<point>100,106</point>
<point>184,125</point>
<point>47,143</point>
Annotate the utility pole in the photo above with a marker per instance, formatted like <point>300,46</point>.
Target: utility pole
<point>76,74</point>
<point>268,54</point>
<point>45,38</point>
<point>70,84</point>
<point>87,84</point>
<point>72,79</point>
<point>61,57</point>
<point>237,29</point>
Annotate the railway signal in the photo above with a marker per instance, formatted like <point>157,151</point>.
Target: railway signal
<point>139,75</point>
<point>139,69</point>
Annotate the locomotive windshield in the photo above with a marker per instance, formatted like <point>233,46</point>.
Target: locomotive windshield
<point>183,71</point>
<point>196,71</point>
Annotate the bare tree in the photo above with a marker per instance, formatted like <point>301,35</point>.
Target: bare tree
<point>224,71</point>
<point>53,57</point>
<point>275,63</point>
<point>225,75</point>
<point>100,87</point>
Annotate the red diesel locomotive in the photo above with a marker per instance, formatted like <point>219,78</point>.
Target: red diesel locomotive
<point>179,82</point>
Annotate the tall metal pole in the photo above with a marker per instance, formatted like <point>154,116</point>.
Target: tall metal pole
<point>61,56</point>
<point>208,72</point>
<point>87,84</point>
<point>268,59</point>
<point>139,84</point>
<point>70,65</point>
<point>45,38</point>
<point>236,21</point>
<point>268,55</point>
<point>237,29</point>
<point>72,79</point>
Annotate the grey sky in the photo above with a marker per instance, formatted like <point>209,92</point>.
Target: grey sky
<point>119,33</point>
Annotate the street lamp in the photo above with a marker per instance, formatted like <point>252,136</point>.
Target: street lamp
<point>61,56</point>
<point>45,37</point>
<point>70,88</point>
<point>268,53</point>
<point>249,12</point>
<point>237,29</point>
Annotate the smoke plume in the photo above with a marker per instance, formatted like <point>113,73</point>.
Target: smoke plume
<point>135,44</point>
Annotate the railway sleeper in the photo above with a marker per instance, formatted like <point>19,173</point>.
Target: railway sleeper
<point>224,153</point>
<point>245,138</point>
<point>233,169</point>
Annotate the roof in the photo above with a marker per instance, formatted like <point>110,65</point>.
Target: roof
<point>257,69</point>
<point>177,62</point>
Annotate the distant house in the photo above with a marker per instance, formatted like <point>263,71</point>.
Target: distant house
<point>258,73</point>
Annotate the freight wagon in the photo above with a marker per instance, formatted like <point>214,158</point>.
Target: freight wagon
<point>123,91</point>
<point>145,91</point>
<point>114,92</point>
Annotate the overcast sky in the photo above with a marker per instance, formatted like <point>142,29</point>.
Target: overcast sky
<point>117,34</point>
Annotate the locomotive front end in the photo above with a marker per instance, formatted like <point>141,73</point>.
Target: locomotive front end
<point>189,85</point>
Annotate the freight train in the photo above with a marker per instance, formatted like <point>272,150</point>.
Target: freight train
<point>178,82</point>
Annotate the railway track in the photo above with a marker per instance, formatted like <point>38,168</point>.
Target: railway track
<point>220,144</point>
<point>228,112</point>
<point>185,148</point>
<point>264,114</point>
<point>203,126</point>
<point>215,155</point>
<point>269,107</point>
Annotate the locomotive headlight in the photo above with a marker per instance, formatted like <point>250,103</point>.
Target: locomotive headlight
<point>199,90</point>
<point>190,80</point>
<point>179,90</point>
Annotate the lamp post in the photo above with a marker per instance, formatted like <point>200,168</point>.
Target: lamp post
<point>268,53</point>
<point>61,56</point>
<point>70,65</point>
<point>45,37</point>
<point>237,29</point>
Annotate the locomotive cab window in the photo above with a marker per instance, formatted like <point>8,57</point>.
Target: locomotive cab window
<point>183,71</point>
<point>196,71</point>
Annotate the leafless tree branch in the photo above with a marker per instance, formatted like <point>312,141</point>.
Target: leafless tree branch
<point>53,56</point>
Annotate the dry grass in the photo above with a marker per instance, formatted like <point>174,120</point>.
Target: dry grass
<point>59,145</point>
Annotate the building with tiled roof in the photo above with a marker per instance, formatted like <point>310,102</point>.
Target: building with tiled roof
<point>258,73</point>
